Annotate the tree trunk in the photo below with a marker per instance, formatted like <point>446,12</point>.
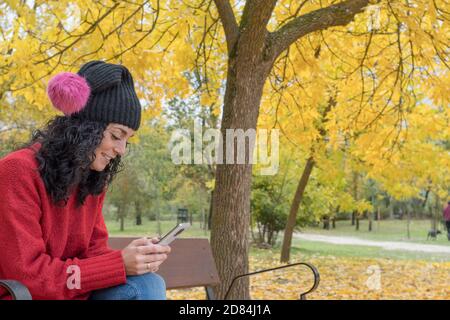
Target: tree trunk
<point>121,217</point>
<point>210,209</point>
<point>229,230</point>
<point>290,225</point>
<point>378,219</point>
<point>231,201</point>
<point>138,219</point>
<point>259,232</point>
<point>270,237</point>
<point>370,220</point>
<point>355,217</point>
<point>333,220</point>
<point>122,225</point>
<point>408,231</point>
<point>437,212</point>
<point>138,214</point>
<point>158,223</point>
<point>252,51</point>
<point>287,240</point>
<point>326,223</point>
<point>252,232</point>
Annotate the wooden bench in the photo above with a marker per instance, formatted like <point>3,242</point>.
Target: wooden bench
<point>190,264</point>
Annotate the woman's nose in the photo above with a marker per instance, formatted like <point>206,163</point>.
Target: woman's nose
<point>120,148</point>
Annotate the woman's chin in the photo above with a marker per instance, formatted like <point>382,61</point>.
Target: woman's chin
<point>98,167</point>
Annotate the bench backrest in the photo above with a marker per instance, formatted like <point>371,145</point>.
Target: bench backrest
<point>189,264</point>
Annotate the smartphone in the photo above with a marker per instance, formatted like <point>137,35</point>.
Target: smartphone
<point>172,234</point>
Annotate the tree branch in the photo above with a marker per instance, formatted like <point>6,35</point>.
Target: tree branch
<point>90,30</point>
<point>335,15</point>
<point>253,25</point>
<point>228,21</point>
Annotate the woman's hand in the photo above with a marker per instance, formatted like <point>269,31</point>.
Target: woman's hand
<point>144,255</point>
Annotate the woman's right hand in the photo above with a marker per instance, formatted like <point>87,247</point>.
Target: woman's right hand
<point>144,255</point>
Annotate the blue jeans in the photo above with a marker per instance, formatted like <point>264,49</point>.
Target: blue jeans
<point>149,286</point>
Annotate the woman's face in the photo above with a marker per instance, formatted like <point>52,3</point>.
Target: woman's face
<point>114,142</point>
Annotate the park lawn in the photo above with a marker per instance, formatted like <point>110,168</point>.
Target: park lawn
<point>150,229</point>
<point>304,248</point>
<point>384,230</point>
<point>312,249</point>
<point>345,270</point>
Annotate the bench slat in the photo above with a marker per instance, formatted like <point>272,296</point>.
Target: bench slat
<point>190,263</point>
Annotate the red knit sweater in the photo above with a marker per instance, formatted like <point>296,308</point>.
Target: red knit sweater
<point>44,246</point>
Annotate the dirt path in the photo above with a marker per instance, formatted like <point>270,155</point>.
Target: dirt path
<point>388,245</point>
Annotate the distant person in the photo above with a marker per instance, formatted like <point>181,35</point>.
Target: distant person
<point>447,219</point>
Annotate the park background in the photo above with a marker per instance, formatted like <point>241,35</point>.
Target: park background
<point>358,90</point>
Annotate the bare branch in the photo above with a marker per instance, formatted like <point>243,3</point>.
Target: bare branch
<point>147,33</point>
<point>339,14</point>
<point>228,21</point>
<point>89,31</point>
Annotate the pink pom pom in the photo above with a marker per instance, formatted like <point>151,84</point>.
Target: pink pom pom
<point>68,92</point>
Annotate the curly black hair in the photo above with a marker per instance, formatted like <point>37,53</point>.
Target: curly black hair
<point>67,150</point>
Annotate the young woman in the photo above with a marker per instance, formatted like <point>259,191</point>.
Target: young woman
<point>53,236</point>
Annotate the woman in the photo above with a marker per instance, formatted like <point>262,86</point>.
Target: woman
<point>446,213</point>
<point>53,236</point>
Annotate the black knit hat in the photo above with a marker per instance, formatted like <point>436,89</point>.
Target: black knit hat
<point>100,92</point>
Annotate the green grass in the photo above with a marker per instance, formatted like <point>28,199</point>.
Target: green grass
<point>310,248</point>
<point>150,229</point>
<point>302,249</point>
<point>384,230</point>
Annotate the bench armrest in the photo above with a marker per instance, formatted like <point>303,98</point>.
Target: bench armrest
<point>17,290</point>
<point>302,295</point>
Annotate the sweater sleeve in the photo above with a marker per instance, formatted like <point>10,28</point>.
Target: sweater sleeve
<point>23,255</point>
<point>98,243</point>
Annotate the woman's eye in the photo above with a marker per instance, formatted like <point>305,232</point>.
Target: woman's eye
<point>115,137</point>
